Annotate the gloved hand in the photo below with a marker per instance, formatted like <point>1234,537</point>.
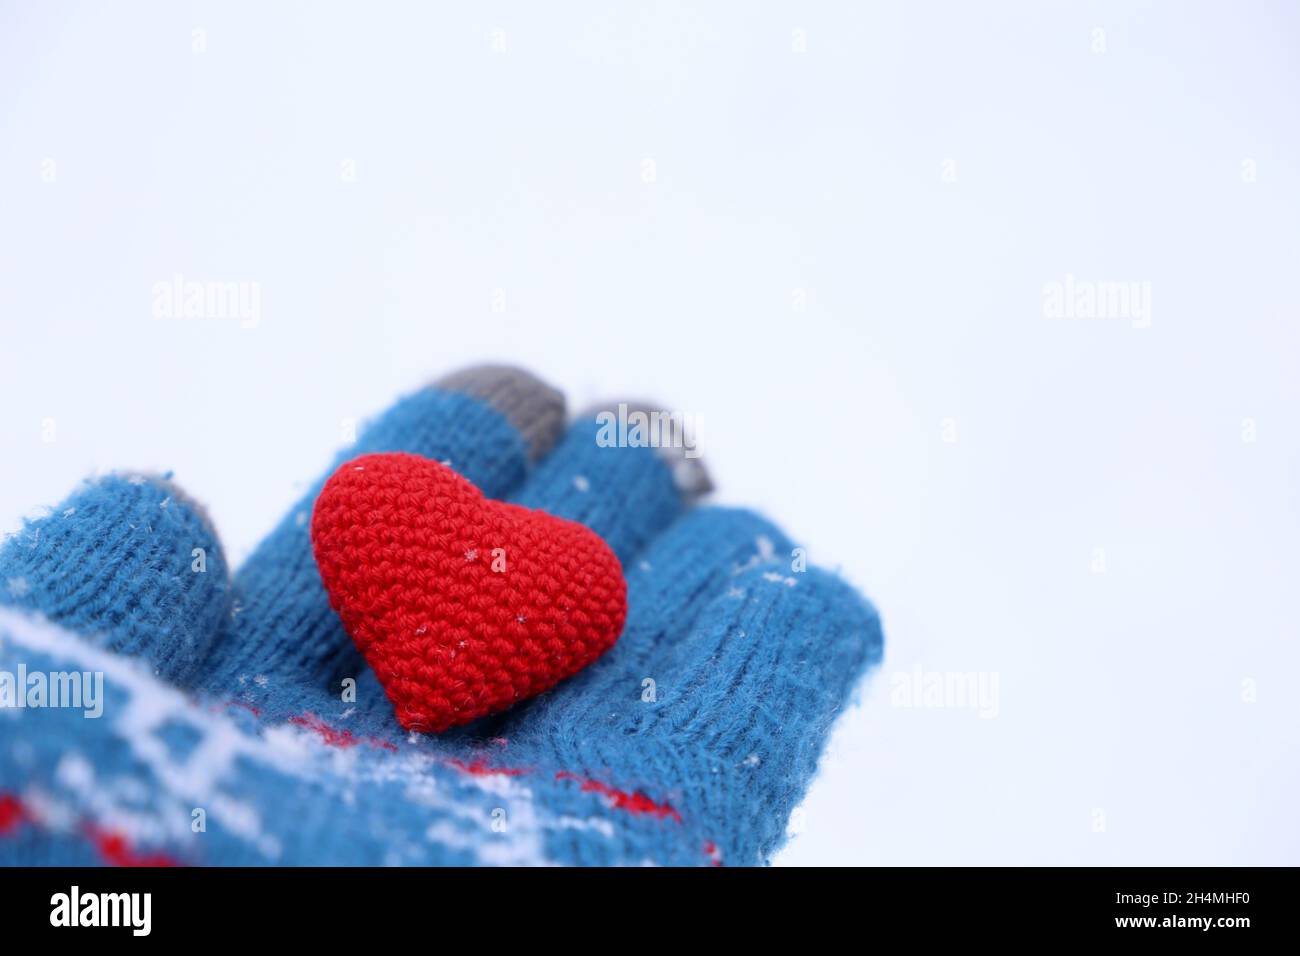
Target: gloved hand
<point>239,725</point>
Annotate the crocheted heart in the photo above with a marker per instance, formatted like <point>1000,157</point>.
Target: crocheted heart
<point>461,605</point>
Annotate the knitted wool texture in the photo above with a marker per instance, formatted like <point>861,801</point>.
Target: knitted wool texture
<point>461,606</point>
<point>688,742</point>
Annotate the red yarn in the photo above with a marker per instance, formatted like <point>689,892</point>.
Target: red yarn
<point>113,848</point>
<point>116,851</point>
<point>343,739</point>
<point>633,803</point>
<point>12,813</point>
<point>461,605</point>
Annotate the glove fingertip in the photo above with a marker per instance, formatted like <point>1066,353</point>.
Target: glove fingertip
<point>128,560</point>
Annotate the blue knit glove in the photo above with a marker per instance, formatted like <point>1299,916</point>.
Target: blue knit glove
<point>237,724</point>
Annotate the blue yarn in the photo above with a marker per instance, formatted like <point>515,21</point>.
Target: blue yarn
<point>626,495</point>
<point>117,562</point>
<point>215,691</point>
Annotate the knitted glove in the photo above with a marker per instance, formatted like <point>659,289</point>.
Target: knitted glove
<point>233,722</point>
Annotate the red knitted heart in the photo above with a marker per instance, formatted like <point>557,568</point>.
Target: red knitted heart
<point>461,605</point>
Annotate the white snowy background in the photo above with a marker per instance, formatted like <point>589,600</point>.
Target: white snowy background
<point>824,228</point>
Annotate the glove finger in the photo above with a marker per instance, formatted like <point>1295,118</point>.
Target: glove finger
<point>777,648</point>
<point>489,423</point>
<point>742,706</point>
<point>624,492</point>
<point>128,560</point>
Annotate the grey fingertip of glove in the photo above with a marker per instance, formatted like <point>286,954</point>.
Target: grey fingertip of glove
<point>175,492</point>
<point>672,439</point>
<point>533,408</point>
